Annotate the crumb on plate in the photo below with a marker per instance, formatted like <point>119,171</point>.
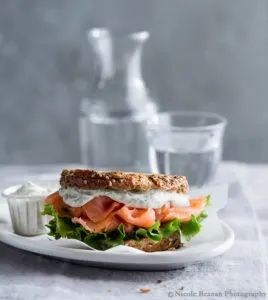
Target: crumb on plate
<point>145,291</point>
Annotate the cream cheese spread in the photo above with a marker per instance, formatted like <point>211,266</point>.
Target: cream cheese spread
<point>150,199</point>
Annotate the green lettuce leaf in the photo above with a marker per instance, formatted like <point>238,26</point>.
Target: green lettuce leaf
<point>48,210</point>
<point>208,203</point>
<point>168,228</point>
<point>154,233</point>
<point>63,227</point>
<point>190,229</point>
<point>203,215</point>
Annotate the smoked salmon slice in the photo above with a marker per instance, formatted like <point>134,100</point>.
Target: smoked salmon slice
<point>183,213</point>
<point>109,224</point>
<point>100,208</point>
<point>105,225</point>
<point>137,216</point>
<point>104,214</point>
<point>61,207</point>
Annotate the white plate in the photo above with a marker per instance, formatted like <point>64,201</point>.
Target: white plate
<point>131,261</point>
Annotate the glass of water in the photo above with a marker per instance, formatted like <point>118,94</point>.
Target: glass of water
<point>187,143</point>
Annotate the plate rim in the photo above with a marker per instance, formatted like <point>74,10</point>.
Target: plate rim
<point>89,256</point>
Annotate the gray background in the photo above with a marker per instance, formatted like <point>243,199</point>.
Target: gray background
<point>203,54</point>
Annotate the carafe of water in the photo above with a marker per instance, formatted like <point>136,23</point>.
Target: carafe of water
<point>114,118</point>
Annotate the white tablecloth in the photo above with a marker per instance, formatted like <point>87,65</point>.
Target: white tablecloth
<point>27,276</point>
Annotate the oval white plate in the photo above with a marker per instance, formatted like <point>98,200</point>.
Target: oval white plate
<point>132,261</point>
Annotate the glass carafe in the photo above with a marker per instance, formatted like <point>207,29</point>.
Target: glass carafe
<point>114,118</point>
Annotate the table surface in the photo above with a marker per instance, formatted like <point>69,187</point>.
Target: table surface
<point>65,277</point>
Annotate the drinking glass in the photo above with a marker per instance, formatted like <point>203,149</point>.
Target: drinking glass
<point>187,143</point>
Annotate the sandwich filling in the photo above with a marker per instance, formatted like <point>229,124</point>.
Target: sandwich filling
<point>104,219</point>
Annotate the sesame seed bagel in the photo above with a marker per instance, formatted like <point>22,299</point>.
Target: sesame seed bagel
<point>118,180</point>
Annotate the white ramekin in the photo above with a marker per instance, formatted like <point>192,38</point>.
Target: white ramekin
<point>25,212</point>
